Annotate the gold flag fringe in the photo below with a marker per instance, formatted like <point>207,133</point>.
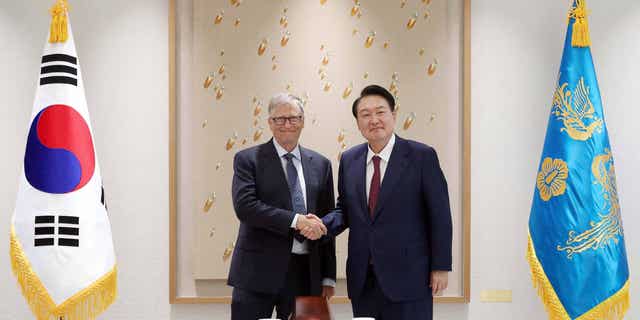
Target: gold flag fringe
<point>86,304</point>
<point>614,308</point>
<point>580,37</point>
<point>58,31</point>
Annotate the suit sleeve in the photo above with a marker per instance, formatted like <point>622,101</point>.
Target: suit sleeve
<point>337,220</point>
<point>249,209</point>
<point>328,247</point>
<point>436,195</point>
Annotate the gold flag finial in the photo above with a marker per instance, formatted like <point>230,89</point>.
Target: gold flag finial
<point>58,31</point>
<point>580,37</point>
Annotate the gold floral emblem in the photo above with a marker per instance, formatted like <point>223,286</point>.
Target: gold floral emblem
<point>552,178</point>
<point>576,111</point>
<point>609,228</point>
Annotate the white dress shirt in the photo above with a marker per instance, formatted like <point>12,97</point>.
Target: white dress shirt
<point>298,247</point>
<point>385,155</point>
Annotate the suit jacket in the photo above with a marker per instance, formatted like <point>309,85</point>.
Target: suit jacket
<point>410,232</point>
<point>262,203</point>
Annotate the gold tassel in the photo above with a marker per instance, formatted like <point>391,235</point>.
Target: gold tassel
<point>614,308</point>
<point>580,37</point>
<point>554,307</point>
<point>58,30</point>
<point>86,304</point>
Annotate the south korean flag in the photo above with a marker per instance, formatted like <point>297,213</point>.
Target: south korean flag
<point>61,247</point>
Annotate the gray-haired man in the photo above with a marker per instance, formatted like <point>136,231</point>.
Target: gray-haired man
<point>275,184</point>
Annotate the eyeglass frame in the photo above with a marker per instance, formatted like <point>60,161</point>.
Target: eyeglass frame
<point>293,120</point>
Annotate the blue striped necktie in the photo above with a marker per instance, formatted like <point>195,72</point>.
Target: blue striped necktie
<point>297,198</point>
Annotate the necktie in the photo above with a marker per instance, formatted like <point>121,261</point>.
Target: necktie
<point>297,198</point>
<point>375,185</point>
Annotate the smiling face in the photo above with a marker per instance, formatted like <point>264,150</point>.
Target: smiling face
<point>375,119</point>
<point>286,122</point>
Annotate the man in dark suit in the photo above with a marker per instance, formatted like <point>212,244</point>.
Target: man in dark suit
<point>393,198</point>
<point>274,186</point>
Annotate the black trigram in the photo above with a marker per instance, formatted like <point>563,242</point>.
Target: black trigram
<point>59,68</point>
<point>68,230</point>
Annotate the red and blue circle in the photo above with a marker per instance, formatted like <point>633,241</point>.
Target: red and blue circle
<point>60,157</point>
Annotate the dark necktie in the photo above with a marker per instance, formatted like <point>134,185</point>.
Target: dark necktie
<point>297,198</point>
<point>375,185</point>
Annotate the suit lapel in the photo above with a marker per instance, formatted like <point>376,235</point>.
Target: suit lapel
<point>272,163</point>
<point>360,177</point>
<point>397,163</point>
<point>309,179</point>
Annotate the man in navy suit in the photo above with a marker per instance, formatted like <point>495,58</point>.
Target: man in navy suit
<point>393,198</point>
<point>274,186</point>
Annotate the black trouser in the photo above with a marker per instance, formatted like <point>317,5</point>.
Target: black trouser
<point>251,305</point>
<point>373,303</point>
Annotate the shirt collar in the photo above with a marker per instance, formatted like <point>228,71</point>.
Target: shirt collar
<point>282,151</point>
<point>385,153</point>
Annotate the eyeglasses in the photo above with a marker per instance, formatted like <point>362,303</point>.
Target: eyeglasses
<point>282,120</point>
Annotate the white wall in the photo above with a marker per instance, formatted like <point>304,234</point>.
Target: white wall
<point>516,49</point>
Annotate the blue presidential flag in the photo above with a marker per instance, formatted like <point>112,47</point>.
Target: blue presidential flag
<point>576,247</point>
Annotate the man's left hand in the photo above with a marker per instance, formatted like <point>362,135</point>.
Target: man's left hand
<point>328,292</point>
<point>439,282</point>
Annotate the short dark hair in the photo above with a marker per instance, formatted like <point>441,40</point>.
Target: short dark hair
<point>374,90</point>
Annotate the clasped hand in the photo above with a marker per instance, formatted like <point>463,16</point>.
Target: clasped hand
<point>311,226</point>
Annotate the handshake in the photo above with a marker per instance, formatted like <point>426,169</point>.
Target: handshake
<point>311,226</point>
